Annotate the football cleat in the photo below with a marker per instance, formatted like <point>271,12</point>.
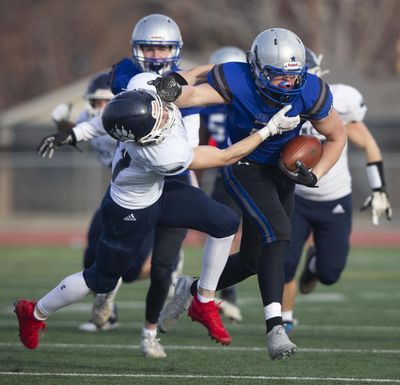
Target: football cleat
<point>278,344</point>
<point>103,306</point>
<point>29,326</point>
<point>180,302</point>
<point>111,324</point>
<point>229,310</point>
<point>290,326</point>
<point>207,314</point>
<point>308,280</point>
<point>150,347</point>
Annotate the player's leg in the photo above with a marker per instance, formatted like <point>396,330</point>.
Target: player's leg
<point>221,224</point>
<point>300,232</point>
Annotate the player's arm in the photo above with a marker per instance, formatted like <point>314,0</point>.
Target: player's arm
<point>333,129</point>
<point>196,75</point>
<point>209,156</point>
<point>378,201</point>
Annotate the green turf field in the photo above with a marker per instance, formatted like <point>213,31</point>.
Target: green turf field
<point>348,333</point>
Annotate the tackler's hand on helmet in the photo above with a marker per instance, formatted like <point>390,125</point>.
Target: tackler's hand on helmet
<point>48,144</point>
<point>301,176</point>
<point>168,89</point>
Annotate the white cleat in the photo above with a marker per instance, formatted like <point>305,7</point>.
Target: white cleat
<point>91,327</point>
<point>104,305</point>
<point>229,310</point>
<point>279,345</point>
<point>180,302</point>
<point>150,347</point>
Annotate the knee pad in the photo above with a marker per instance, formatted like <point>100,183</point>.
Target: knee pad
<point>99,282</point>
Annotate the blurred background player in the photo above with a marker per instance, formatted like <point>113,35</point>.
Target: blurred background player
<point>326,212</point>
<point>214,132</point>
<point>156,45</point>
<point>97,95</point>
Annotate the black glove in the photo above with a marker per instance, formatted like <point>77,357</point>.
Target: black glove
<point>50,143</point>
<point>301,176</point>
<point>168,89</point>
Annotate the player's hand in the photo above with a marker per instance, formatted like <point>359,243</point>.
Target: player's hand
<point>379,203</point>
<point>280,123</point>
<point>48,144</point>
<point>61,112</point>
<point>301,176</point>
<point>168,89</point>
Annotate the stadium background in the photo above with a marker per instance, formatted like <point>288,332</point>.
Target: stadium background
<point>50,48</point>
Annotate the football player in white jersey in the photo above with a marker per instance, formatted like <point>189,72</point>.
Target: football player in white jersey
<point>326,212</point>
<point>152,144</point>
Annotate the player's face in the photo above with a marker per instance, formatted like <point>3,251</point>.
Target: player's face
<point>284,81</point>
<point>156,51</point>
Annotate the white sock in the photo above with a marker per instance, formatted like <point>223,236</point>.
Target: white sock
<point>287,315</point>
<point>71,289</point>
<point>272,310</point>
<point>215,254</point>
<point>203,299</point>
<point>149,332</point>
<point>312,265</point>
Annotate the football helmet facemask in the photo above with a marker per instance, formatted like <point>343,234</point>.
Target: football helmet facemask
<point>278,52</point>
<point>314,63</point>
<point>158,30</point>
<point>98,89</point>
<point>227,54</point>
<point>139,116</point>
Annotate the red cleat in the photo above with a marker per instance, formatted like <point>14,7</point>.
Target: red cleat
<point>207,314</point>
<point>29,326</point>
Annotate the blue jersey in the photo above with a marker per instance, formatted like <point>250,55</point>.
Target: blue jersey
<point>214,118</point>
<point>247,109</point>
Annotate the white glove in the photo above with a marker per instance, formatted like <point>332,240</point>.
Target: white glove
<point>61,112</point>
<point>379,203</point>
<point>279,123</point>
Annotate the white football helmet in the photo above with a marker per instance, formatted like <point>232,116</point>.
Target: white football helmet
<point>157,30</point>
<point>227,54</point>
<point>98,89</point>
<point>274,52</point>
<point>314,63</point>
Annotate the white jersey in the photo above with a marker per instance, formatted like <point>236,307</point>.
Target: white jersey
<point>336,183</point>
<point>103,144</point>
<point>138,171</point>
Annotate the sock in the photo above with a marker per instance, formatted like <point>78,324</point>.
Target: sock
<point>193,287</point>
<point>149,332</point>
<point>215,255</point>
<point>204,299</point>
<point>287,316</point>
<point>273,315</point>
<point>71,289</point>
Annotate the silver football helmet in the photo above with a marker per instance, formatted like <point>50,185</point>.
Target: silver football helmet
<point>227,54</point>
<point>157,29</point>
<point>98,89</point>
<point>277,52</point>
<point>314,63</point>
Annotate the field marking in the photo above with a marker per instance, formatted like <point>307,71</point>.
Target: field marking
<point>236,326</point>
<point>204,376</point>
<point>205,348</point>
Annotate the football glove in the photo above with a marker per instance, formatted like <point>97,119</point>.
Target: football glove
<point>379,203</point>
<point>168,88</point>
<point>279,123</point>
<point>48,144</point>
<point>301,176</point>
<point>61,112</point>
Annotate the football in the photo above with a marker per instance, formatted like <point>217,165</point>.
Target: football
<point>307,148</point>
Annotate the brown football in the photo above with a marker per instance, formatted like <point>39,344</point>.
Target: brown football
<point>306,148</point>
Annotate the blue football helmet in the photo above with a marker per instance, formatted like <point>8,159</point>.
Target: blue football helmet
<point>139,116</point>
<point>278,52</point>
<point>157,30</point>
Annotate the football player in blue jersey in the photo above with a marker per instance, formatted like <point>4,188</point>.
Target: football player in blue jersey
<point>275,76</point>
<point>326,212</point>
<point>156,46</point>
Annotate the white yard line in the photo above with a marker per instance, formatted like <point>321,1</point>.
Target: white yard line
<point>195,376</point>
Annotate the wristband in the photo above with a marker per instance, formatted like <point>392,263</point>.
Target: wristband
<point>376,177</point>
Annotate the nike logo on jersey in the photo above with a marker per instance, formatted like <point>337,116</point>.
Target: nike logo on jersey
<point>338,209</point>
<point>130,217</point>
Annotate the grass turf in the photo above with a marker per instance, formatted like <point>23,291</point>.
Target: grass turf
<point>348,333</point>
